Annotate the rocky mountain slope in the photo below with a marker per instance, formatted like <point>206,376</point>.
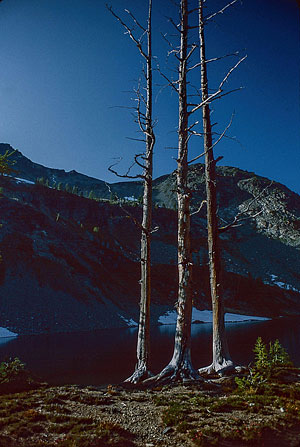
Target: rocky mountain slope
<point>72,263</point>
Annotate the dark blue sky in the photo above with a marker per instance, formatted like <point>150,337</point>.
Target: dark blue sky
<point>65,65</point>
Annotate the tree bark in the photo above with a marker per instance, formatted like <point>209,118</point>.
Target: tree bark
<point>142,371</point>
<point>221,356</point>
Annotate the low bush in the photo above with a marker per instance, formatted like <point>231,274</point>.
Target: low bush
<point>14,377</point>
<point>267,361</point>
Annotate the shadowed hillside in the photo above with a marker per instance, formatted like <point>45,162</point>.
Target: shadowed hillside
<point>72,263</point>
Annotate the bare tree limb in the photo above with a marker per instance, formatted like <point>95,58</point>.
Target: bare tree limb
<point>214,59</point>
<point>136,139</point>
<point>138,162</point>
<point>217,93</point>
<point>174,24</point>
<point>137,223</point>
<point>229,92</point>
<point>128,31</point>
<point>135,20</point>
<point>239,217</point>
<point>204,202</point>
<point>191,52</point>
<point>192,125</point>
<point>221,11</point>
<point>222,135</point>
<point>164,36</point>
<point>126,175</point>
<point>170,83</point>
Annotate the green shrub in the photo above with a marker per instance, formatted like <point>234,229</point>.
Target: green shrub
<point>14,377</point>
<point>252,382</point>
<point>11,370</point>
<point>278,355</point>
<point>266,359</point>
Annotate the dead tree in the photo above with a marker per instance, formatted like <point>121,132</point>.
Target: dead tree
<point>180,367</point>
<point>221,357</point>
<point>144,161</point>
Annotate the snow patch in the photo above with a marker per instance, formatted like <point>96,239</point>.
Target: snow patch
<point>206,316</point>
<point>281,284</point>
<point>5,333</point>
<point>130,322</point>
<point>169,317</point>
<point>131,199</point>
<point>23,180</point>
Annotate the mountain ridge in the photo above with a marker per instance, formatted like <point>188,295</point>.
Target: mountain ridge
<point>78,259</point>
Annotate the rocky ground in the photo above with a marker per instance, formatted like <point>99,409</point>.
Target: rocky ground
<point>214,412</point>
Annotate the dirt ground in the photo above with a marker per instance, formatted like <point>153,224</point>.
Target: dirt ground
<point>190,415</point>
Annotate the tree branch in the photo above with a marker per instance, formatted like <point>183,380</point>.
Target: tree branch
<point>204,202</point>
<point>214,59</point>
<point>138,162</point>
<point>135,20</point>
<point>238,218</point>
<point>174,24</point>
<point>170,83</point>
<point>216,95</point>
<point>127,175</point>
<point>220,11</point>
<point>129,31</point>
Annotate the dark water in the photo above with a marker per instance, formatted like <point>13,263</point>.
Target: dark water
<point>108,356</point>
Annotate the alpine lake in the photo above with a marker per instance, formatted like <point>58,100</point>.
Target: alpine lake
<point>107,356</point>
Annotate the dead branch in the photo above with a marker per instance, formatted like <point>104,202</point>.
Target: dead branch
<point>221,11</point>
<point>217,93</point>
<point>222,135</point>
<point>213,60</point>
<point>153,230</point>
<point>229,92</point>
<point>174,49</point>
<point>204,202</point>
<point>174,24</point>
<point>170,83</point>
<point>191,52</point>
<point>135,20</point>
<point>138,162</point>
<point>192,125</point>
<point>136,139</point>
<point>239,217</point>
<point>127,174</point>
<point>129,31</point>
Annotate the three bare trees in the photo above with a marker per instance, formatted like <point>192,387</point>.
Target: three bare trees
<point>180,367</point>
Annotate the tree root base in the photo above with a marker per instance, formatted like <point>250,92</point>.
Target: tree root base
<point>175,374</point>
<point>139,375</point>
<point>226,368</point>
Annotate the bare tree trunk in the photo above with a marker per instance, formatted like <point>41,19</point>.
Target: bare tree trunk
<point>221,357</point>
<point>143,343</point>
<point>180,366</point>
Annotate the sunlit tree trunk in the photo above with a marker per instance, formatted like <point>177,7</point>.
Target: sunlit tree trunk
<point>221,357</point>
<point>180,366</point>
<point>143,342</point>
